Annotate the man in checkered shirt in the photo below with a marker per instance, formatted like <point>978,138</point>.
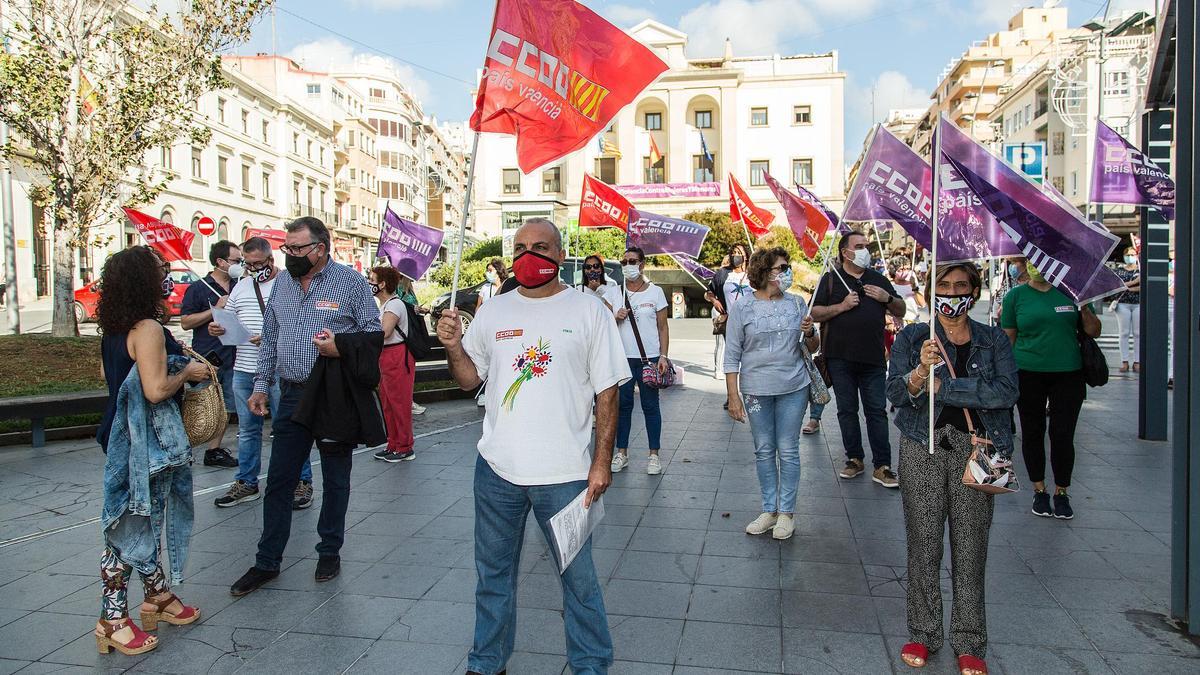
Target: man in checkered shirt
<point>317,299</point>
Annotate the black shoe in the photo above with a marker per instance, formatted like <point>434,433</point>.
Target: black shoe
<point>1062,507</point>
<point>1041,505</point>
<point>380,454</point>
<point>393,457</point>
<point>251,580</point>
<point>328,567</point>
<point>220,457</point>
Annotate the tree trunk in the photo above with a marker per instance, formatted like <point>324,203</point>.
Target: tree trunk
<point>63,323</point>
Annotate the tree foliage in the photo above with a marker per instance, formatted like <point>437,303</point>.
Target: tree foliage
<point>723,233</point>
<point>89,88</point>
<point>485,250</point>
<point>608,242</point>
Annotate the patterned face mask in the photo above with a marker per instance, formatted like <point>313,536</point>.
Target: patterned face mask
<point>952,306</point>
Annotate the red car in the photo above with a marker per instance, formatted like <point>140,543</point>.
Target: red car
<point>88,297</point>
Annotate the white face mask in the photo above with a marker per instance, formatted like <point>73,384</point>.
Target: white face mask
<point>862,258</point>
<point>491,276</point>
<point>235,271</point>
<point>631,272</point>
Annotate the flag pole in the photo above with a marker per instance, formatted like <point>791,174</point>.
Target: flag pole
<point>462,226</point>
<point>931,280</point>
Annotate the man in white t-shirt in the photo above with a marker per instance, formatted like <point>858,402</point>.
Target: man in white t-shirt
<point>546,351</point>
<point>644,305</point>
<point>248,300</point>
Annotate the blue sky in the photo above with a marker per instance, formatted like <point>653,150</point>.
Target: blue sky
<point>895,48</point>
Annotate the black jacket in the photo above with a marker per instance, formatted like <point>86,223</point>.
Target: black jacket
<point>340,405</point>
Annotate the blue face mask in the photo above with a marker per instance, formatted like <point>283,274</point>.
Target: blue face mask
<point>1129,260</point>
<point>1014,272</point>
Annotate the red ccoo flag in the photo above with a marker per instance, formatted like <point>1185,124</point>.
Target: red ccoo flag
<point>555,75</point>
<point>603,206</point>
<point>807,221</point>
<point>756,220</point>
<point>172,243</point>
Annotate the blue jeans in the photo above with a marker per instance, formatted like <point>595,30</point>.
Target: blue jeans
<point>816,410</point>
<point>250,427</point>
<point>775,423</point>
<point>650,408</point>
<point>501,510</point>
<point>289,452</point>
<point>850,381</point>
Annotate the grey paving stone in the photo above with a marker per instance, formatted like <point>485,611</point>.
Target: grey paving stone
<point>305,652</point>
<point>1137,664</point>
<point>1139,566</point>
<point>458,585</point>
<point>1105,594</point>
<point>435,622</point>
<point>1054,627</point>
<point>448,527</point>
<point>399,581</point>
<point>541,631</point>
<point>820,549</point>
<point>830,611</point>
<point>643,639</point>
<point>207,649</point>
<point>647,598</point>
<point>819,577</point>
<point>36,591</point>
<point>389,657</point>
<point>738,572</point>
<point>1142,632</point>
<point>362,616</point>
<point>651,566</point>
<point>819,651</point>
<point>746,606</point>
<point>682,499</point>
<point>730,646</point>
<point>612,536</point>
<point>536,664</point>
<point>741,545</point>
<point>667,517</point>
<point>666,540</point>
<point>620,667</point>
<point>420,551</point>
<point>391,524</point>
<point>9,666</point>
<point>40,633</point>
<point>271,608</point>
<point>1033,660</point>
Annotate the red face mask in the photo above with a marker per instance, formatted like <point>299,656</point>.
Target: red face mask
<point>534,270</point>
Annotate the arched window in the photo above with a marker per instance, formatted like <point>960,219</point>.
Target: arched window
<point>223,229</point>
<point>198,240</point>
<point>246,227</point>
<point>167,216</point>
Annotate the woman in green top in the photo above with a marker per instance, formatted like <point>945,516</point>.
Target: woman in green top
<point>1041,321</point>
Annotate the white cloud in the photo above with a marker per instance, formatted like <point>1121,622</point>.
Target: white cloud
<point>760,27</point>
<point>626,16</point>
<point>754,26</point>
<point>328,54</point>
<point>893,89</point>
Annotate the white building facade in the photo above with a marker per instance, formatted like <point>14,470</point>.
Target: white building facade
<point>782,115</point>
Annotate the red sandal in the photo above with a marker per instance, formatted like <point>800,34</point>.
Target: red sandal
<point>141,643</point>
<point>185,616</point>
<point>973,663</point>
<point>914,650</point>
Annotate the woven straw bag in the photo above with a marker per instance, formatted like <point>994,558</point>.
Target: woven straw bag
<point>203,405</point>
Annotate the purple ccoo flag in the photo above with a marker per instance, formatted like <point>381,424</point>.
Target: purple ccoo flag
<point>693,267</point>
<point>1122,174</point>
<point>658,235</point>
<point>410,247</point>
<point>894,183</point>
<point>1067,250</point>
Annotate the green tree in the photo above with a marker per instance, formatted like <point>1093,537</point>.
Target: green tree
<point>608,242</point>
<point>485,250</point>
<point>723,233</point>
<point>89,89</point>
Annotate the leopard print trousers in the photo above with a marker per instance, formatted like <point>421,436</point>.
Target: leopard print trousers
<point>932,491</point>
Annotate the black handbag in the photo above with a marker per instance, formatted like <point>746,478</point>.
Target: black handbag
<point>1095,366</point>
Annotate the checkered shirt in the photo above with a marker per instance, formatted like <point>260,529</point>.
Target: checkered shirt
<point>338,298</point>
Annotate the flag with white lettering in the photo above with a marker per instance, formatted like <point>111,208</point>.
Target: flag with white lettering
<point>555,75</point>
<point>894,183</point>
<point>661,235</point>
<point>757,221</point>
<point>808,222</point>
<point>1068,251</point>
<point>409,247</point>
<point>695,270</point>
<point>172,243</point>
<point>1122,174</point>
<point>602,206</point>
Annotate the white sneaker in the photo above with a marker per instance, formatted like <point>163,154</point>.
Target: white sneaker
<point>619,462</point>
<point>762,524</point>
<point>655,466</point>
<point>418,409</point>
<point>785,526</point>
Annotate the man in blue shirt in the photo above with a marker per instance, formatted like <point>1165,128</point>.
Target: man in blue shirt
<point>316,300</point>
<point>196,314</point>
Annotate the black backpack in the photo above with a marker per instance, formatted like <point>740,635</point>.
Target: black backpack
<point>419,344</point>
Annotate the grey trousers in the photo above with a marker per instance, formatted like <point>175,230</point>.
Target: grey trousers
<point>932,491</point>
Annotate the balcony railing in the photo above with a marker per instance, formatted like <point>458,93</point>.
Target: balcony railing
<point>300,210</point>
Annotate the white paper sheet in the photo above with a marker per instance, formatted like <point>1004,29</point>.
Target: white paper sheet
<point>236,332</point>
<point>572,526</point>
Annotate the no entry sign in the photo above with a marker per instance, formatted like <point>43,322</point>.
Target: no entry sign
<point>206,226</point>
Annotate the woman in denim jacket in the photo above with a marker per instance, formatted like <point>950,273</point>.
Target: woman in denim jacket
<point>931,482</point>
<point>148,462</point>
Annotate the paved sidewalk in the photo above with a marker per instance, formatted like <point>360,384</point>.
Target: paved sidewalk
<point>686,590</point>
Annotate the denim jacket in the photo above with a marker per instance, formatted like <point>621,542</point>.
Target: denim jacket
<point>988,389</point>
<point>148,478</point>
